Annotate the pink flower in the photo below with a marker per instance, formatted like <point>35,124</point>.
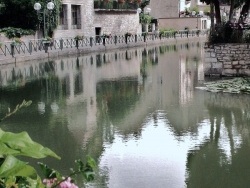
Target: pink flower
<point>49,182</point>
<point>67,184</point>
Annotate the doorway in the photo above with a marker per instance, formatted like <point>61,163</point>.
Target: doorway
<point>98,34</point>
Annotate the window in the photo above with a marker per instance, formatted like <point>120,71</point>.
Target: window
<point>63,15</point>
<point>76,18</point>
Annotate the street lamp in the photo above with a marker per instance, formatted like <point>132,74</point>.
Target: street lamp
<point>147,10</point>
<point>139,10</point>
<point>50,7</point>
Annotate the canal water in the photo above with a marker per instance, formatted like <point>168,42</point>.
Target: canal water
<point>138,113</point>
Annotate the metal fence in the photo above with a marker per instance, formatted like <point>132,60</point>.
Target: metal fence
<point>36,46</point>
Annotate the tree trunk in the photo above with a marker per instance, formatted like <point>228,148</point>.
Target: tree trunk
<point>231,11</point>
<point>212,17</point>
<point>244,10</point>
<point>217,11</point>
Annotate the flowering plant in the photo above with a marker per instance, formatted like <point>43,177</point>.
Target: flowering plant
<point>17,173</point>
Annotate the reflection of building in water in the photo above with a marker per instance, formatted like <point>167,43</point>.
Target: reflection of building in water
<point>76,79</point>
<point>186,81</point>
<point>201,66</point>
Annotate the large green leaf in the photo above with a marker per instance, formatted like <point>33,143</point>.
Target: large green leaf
<point>14,167</point>
<point>22,144</point>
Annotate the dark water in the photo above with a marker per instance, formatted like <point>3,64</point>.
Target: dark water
<point>137,113</point>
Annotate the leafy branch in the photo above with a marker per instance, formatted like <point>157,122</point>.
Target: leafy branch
<point>18,107</point>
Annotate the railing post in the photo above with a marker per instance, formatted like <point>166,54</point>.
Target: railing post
<point>61,44</point>
<point>115,39</point>
<point>126,38</point>
<point>77,43</point>
<point>46,47</point>
<point>91,41</point>
<point>12,49</point>
<point>30,47</point>
<point>144,37</point>
<point>104,40</point>
<point>135,37</point>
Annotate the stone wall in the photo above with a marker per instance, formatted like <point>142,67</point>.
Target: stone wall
<point>182,22</point>
<point>109,21</point>
<point>118,23</point>
<point>227,60</point>
<point>164,8</point>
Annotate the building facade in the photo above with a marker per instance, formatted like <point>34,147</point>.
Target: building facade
<point>164,8</point>
<point>96,17</point>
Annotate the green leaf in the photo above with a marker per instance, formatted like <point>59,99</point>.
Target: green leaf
<point>91,162</point>
<point>49,173</point>
<point>14,167</point>
<point>22,144</point>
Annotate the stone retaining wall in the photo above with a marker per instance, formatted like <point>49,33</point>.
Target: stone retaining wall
<point>227,60</point>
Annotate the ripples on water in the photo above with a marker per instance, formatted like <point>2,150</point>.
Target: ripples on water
<point>137,113</point>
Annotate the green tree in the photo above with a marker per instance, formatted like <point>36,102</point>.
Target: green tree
<point>18,13</point>
<point>21,14</point>
<point>216,4</point>
<point>234,4</point>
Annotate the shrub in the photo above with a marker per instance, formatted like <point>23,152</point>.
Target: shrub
<point>12,32</point>
<point>246,37</point>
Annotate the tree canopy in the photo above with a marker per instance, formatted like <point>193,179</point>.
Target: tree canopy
<point>234,4</point>
<point>18,13</point>
<point>21,14</point>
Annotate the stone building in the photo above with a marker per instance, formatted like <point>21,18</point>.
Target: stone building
<point>96,17</point>
<point>167,13</point>
<point>164,8</point>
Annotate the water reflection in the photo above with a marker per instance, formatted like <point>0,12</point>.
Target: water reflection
<point>137,113</point>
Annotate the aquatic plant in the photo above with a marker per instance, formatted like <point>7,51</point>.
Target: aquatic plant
<point>235,85</point>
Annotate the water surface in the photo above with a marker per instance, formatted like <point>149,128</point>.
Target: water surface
<point>137,113</point>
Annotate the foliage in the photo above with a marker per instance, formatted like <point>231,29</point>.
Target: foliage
<point>16,41</point>
<point>18,13</point>
<point>229,33</point>
<point>236,85</point>
<point>47,39</point>
<point>145,18</point>
<point>17,173</point>
<point>196,9</point>
<point>18,107</point>
<point>246,37</point>
<point>164,32</point>
<point>12,32</point>
<point>21,14</point>
<point>78,37</point>
<point>128,34</point>
<point>207,10</point>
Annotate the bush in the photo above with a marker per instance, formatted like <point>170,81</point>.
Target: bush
<point>12,32</point>
<point>228,33</point>
<point>246,37</point>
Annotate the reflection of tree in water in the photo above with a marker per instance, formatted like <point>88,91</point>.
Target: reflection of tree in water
<point>208,165</point>
<point>119,96</point>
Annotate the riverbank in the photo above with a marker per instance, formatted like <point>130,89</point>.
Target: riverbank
<point>38,50</point>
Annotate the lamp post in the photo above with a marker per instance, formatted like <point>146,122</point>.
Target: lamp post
<point>50,7</point>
